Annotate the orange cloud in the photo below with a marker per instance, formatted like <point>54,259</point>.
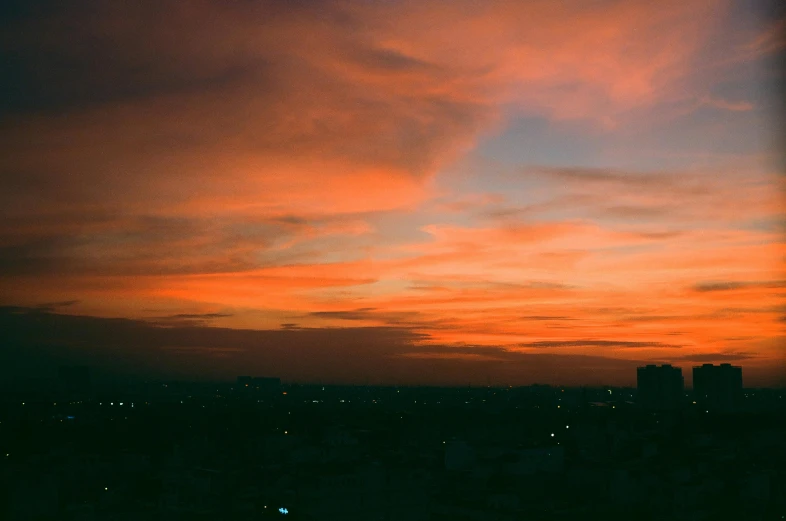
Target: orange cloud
<point>256,165</point>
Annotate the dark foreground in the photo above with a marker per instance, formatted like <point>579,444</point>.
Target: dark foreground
<point>217,452</point>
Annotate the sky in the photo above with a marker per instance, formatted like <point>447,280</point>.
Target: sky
<point>393,191</point>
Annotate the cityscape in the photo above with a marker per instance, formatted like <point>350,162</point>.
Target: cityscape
<point>257,448</point>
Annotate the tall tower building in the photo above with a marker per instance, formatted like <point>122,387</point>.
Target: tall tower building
<point>660,387</point>
<point>718,387</point>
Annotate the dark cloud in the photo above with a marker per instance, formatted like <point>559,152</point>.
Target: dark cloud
<point>600,181</point>
<point>714,357</point>
<point>355,314</point>
<point>221,352</point>
<point>595,343</point>
<point>389,60</point>
<point>289,325</point>
<point>600,175</point>
<point>636,212</point>
<point>36,255</point>
<point>392,318</point>
<point>102,59</point>
<point>54,306</point>
<point>546,317</point>
<point>140,245</point>
<point>761,309</point>
<point>188,319</point>
<point>737,285</point>
<point>197,316</point>
<point>295,220</point>
<point>134,108</point>
<point>652,318</point>
<point>489,353</point>
<point>35,342</point>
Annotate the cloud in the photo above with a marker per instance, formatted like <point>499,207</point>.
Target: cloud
<point>641,212</point>
<point>303,165</point>
<point>348,355</point>
<point>289,325</point>
<point>658,180</point>
<point>55,306</point>
<point>597,343</point>
<point>736,194</point>
<point>769,40</point>
<point>198,315</point>
<point>739,285</point>
<point>188,319</point>
<point>734,106</point>
<point>356,314</point>
<point>715,357</point>
<point>539,318</point>
<point>271,100</point>
<point>216,352</point>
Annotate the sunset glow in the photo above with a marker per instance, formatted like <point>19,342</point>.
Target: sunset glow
<point>425,191</point>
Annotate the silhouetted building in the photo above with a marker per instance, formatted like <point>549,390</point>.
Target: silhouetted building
<point>718,387</point>
<point>74,381</point>
<point>660,387</point>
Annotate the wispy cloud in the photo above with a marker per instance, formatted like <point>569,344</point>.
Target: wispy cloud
<point>715,357</point>
<point>355,314</point>
<point>56,306</point>
<point>596,343</point>
<point>739,285</point>
<point>428,172</point>
<point>734,106</point>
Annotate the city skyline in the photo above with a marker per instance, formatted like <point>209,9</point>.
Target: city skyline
<point>393,192</point>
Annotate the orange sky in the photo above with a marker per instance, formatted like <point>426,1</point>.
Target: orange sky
<point>492,179</point>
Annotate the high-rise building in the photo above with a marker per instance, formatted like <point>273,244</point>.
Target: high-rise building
<point>718,387</point>
<point>660,387</point>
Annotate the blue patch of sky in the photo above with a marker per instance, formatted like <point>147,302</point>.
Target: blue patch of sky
<point>537,141</point>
